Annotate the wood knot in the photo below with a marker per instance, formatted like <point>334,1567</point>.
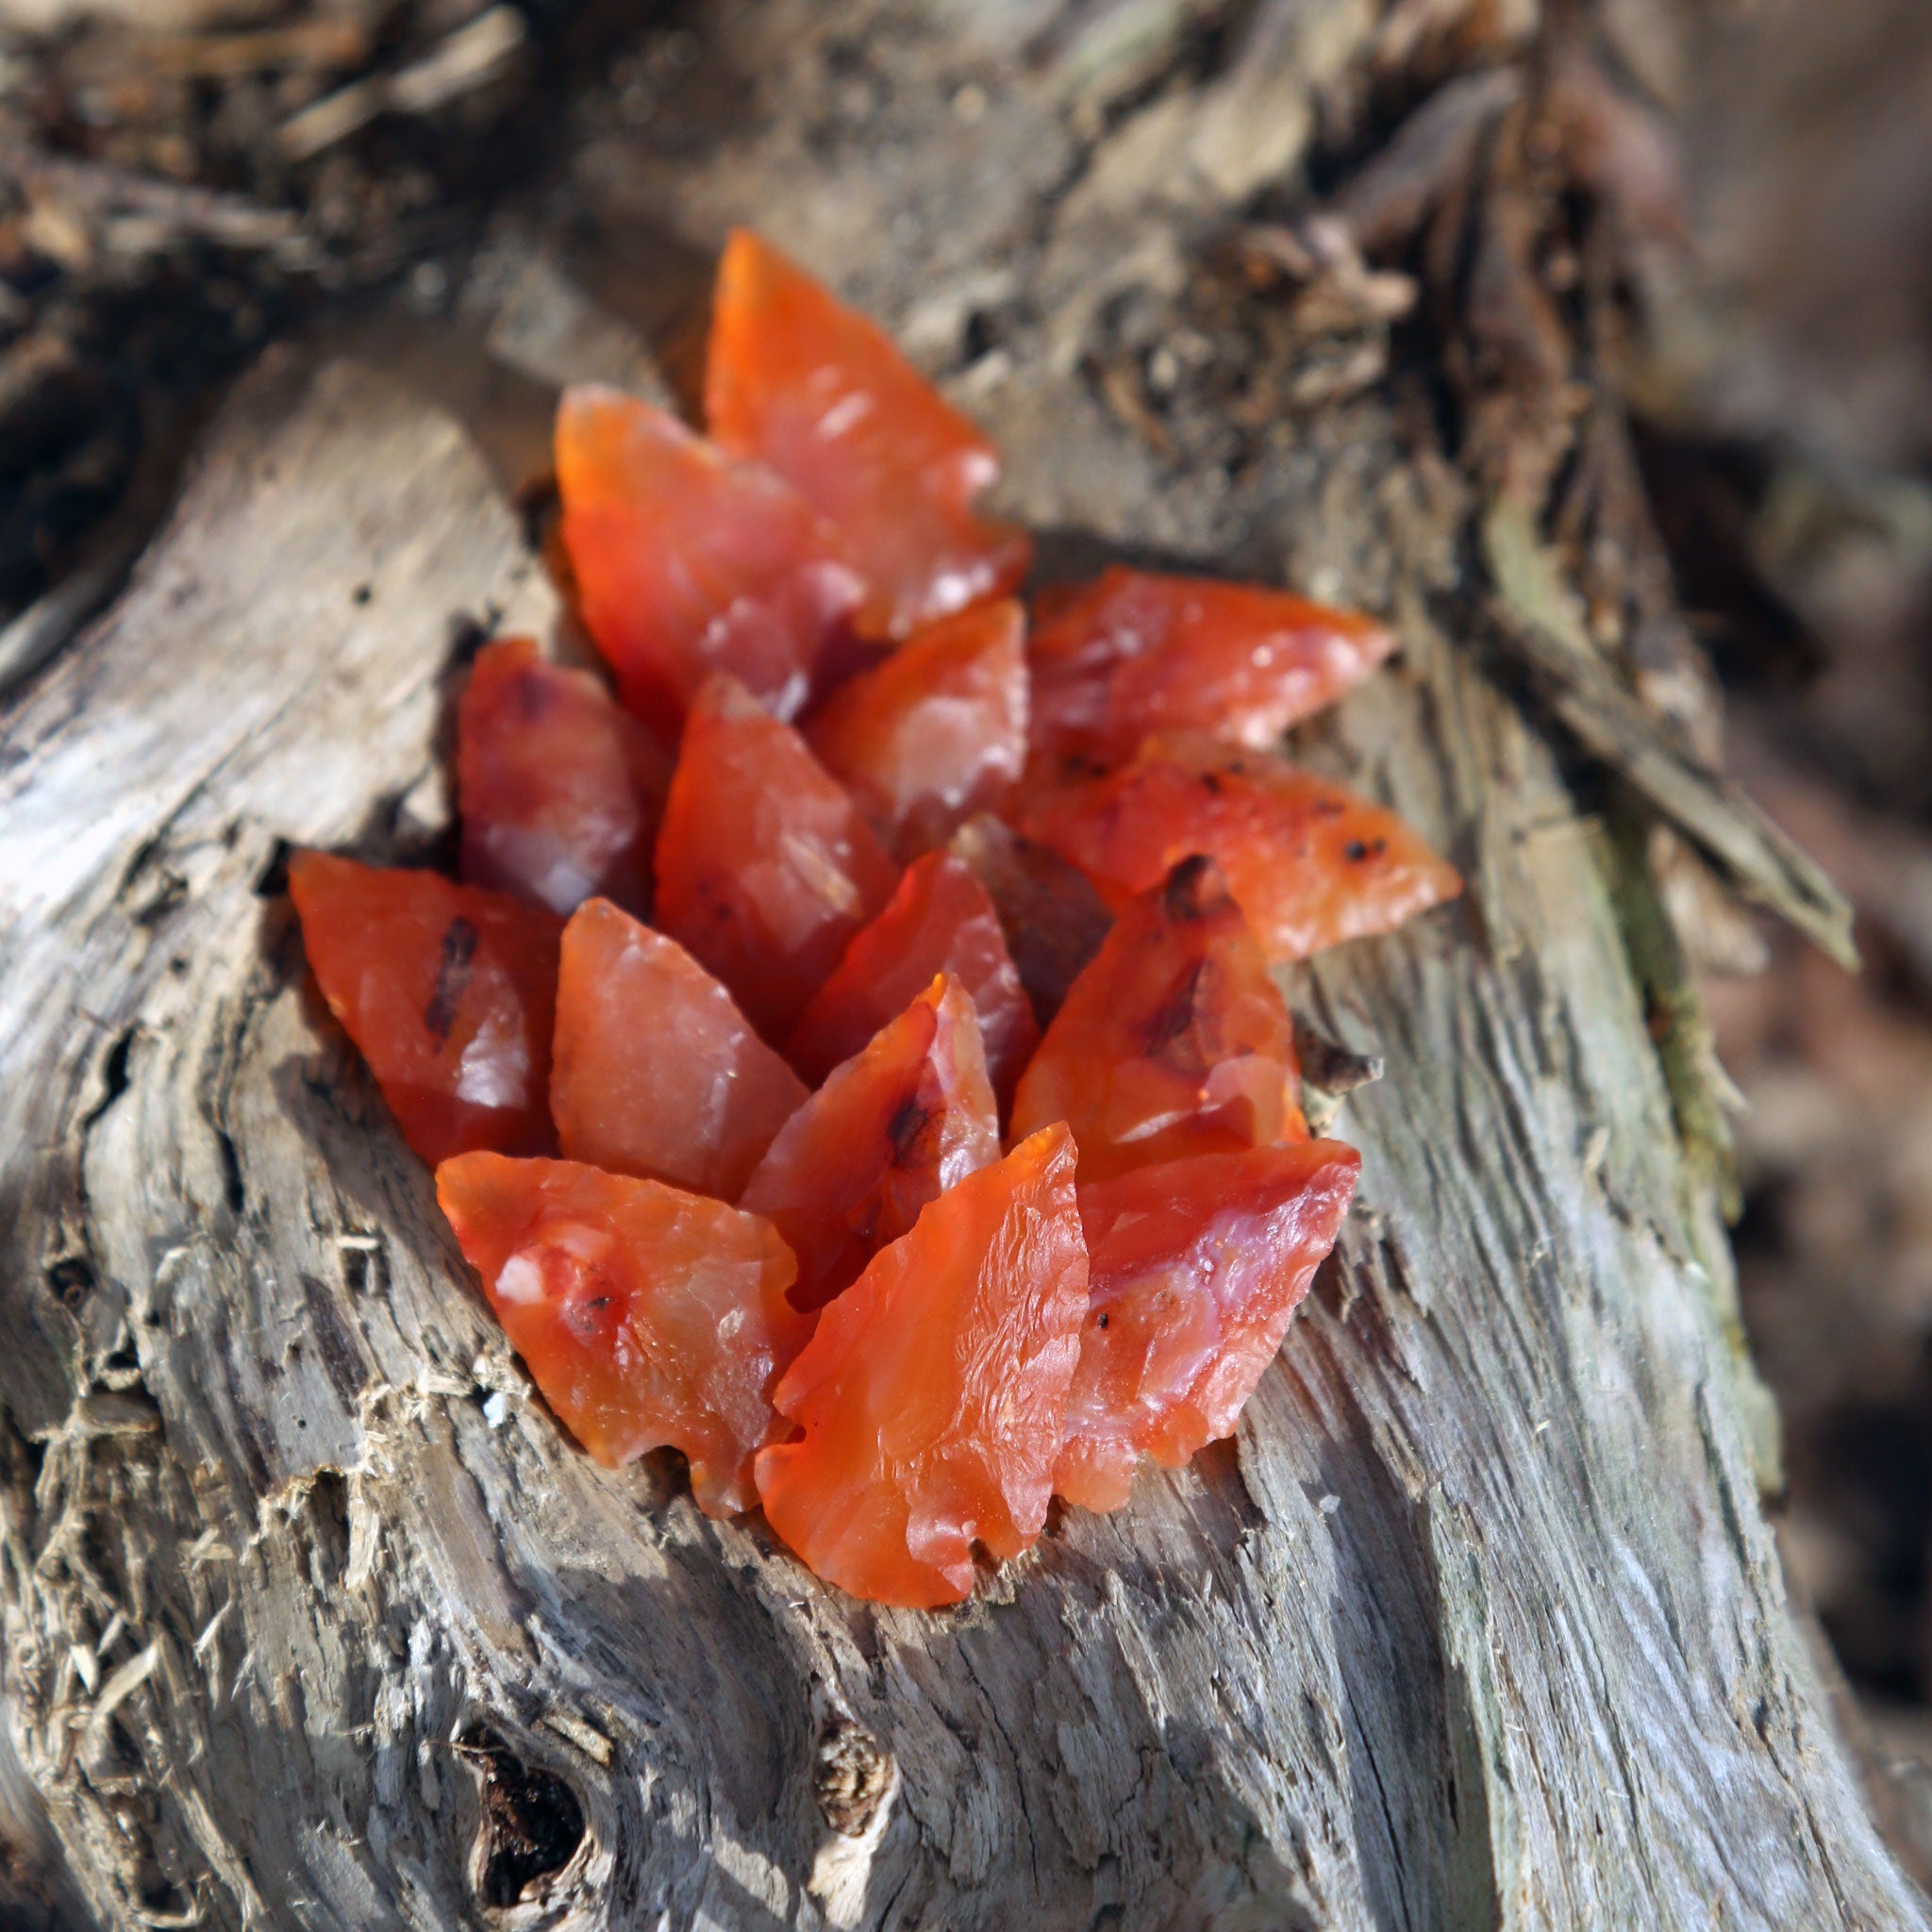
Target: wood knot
<point>70,1281</point>
<point>532,1821</point>
<point>851,1773</point>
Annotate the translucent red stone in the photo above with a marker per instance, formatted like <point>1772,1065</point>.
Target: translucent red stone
<point>933,1395</point>
<point>1310,863</point>
<point>822,394</point>
<point>1196,1267</point>
<point>559,791</point>
<point>448,991</point>
<point>939,920</point>
<point>766,869</point>
<point>889,1130</point>
<point>897,1340</point>
<point>649,1318</point>
<point>1134,652</point>
<point>688,562</point>
<point>1173,1041</point>
<point>935,733</point>
<point>1053,918</point>
<point>656,1070</point>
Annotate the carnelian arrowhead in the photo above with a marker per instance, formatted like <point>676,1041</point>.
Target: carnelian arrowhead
<point>1310,863</point>
<point>656,1070</point>
<point>649,1318</point>
<point>939,920</point>
<point>1134,652</point>
<point>889,1131</point>
<point>689,563</point>
<point>935,733</point>
<point>448,991</point>
<point>1173,1041</point>
<point>1053,918</point>
<point>559,791</point>
<point>819,394</point>
<point>1196,1267</point>
<point>765,867</point>
<point>933,1395</point>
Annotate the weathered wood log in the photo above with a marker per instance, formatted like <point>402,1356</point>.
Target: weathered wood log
<point>312,1615</point>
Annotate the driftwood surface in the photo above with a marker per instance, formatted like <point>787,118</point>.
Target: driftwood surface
<point>312,1615</point>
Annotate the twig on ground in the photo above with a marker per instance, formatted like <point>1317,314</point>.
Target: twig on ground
<point>473,55</point>
<point>1589,699</point>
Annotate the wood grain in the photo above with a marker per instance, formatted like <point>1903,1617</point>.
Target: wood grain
<point>312,1616</point>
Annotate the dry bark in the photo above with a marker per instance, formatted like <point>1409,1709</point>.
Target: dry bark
<point>313,1617</point>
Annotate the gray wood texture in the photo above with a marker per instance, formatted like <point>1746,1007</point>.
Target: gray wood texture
<point>312,1616</point>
